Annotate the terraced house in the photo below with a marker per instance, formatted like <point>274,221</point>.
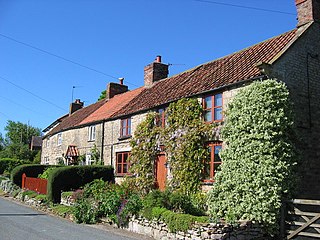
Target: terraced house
<point>107,126</point>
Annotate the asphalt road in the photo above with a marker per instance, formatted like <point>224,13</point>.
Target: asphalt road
<point>18,222</point>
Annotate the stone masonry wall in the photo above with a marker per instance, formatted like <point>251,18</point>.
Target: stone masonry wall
<point>299,68</point>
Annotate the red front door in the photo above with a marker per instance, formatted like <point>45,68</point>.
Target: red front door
<point>161,172</point>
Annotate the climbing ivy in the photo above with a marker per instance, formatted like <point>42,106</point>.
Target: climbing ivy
<point>259,158</point>
<point>184,140</point>
<point>145,147</point>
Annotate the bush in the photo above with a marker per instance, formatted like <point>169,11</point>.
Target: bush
<point>107,200</point>
<point>74,177</point>
<point>258,164</point>
<point>85,212</point>
<point>7,164</point>
<point>31,170</point>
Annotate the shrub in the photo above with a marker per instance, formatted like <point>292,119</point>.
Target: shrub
<point>85,212</point>
<point>258,163</point>
<point>107,200</point>
<point>74,177</point>
<point>46,173</point>
<point>31,170</point>
<point>7,164</point>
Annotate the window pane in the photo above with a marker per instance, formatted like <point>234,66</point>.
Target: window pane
<point>216,153</point>
<point>208,102</point>
<point>208,116</point>
<point>119,158</point>
<point>119,168</point>
<point>125,157</point>
<point>125,168</point>
<point>123,133</point>
<point>218,100</point>
<point>218,114</point>
<point>216,167</point>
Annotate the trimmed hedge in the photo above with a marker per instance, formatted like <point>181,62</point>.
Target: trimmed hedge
<point>31,170</point>
<point>73,177</point>
<point>7,164</point>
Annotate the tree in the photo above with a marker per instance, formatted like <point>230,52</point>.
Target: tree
<point>17,139</point>
<point>102,95</point>
<point>258,162</point>
<point>18,132</point>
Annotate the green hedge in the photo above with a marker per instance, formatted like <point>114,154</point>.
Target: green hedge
<point>7,164</point>
<point>73,177</point>
<point>31,170</point>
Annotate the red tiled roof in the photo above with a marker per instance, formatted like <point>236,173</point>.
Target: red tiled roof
<point>110,108</point>
<point>75,118</point>
<point>230,69</point>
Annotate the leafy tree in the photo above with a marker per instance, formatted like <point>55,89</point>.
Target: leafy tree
<point>102,95</point>
<point>259,158</point>
<point>18,132</point>
<point>17,139</point>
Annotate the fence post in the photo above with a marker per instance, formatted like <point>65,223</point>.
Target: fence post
<point>283,220</point>
<point>23,184</point>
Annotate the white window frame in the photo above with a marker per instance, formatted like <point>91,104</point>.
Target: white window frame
<point>48,143</point>
<point>92,133</point>
<point>89,160</point>
<point>59,142</point>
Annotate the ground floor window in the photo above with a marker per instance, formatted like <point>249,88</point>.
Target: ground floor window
<point>212,163</point>
<point>122,164</point>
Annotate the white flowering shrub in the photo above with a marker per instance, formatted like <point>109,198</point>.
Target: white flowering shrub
<point>259,159</point>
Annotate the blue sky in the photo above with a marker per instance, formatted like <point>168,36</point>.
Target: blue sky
<point>117,38</point>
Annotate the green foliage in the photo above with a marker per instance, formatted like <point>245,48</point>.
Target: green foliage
<point>107,200</point>
<point>37,158</point>
<point>17,139</point>
<point>8,164</point>
<point>145,147</point>
<point>31,170</point>
<point>85,212</point>
<point>259,160</point>
<point>102,95</point>
<point>176,221</point>
<point>184,138</point>
<point>74,177</point>
<point>62,210</point>
<point>29,193</point>
<point>47,172</point>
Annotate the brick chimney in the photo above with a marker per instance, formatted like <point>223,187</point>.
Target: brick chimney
<point>155,71</point>
<point>308,11</point>
<point>75,106</point>
<point>116,88</point>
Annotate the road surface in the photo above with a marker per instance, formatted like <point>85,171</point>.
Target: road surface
<point>18,222</point>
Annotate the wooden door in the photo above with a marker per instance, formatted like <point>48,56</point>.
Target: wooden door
<point>161,172</point>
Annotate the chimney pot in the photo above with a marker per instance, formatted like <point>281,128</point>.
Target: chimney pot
<point>158,59</point>
<point>121,80</point>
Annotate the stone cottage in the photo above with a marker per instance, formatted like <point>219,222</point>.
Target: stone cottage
<point>108,125</point>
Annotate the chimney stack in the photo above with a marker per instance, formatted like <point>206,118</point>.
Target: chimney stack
<point>155,71</point>
<point>308,11</point>
<point>75,106</point>
<point>115,88</point>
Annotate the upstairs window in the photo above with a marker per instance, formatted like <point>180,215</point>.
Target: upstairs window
<point>92,133</point>
<point>161,118</point>
<point>125,130</point>
<point>122,164</point>
<point>212,106</point>
<point>213,162</point>
<point>59,142</point>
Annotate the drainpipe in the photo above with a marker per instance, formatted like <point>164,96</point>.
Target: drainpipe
<point>102,144</point>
